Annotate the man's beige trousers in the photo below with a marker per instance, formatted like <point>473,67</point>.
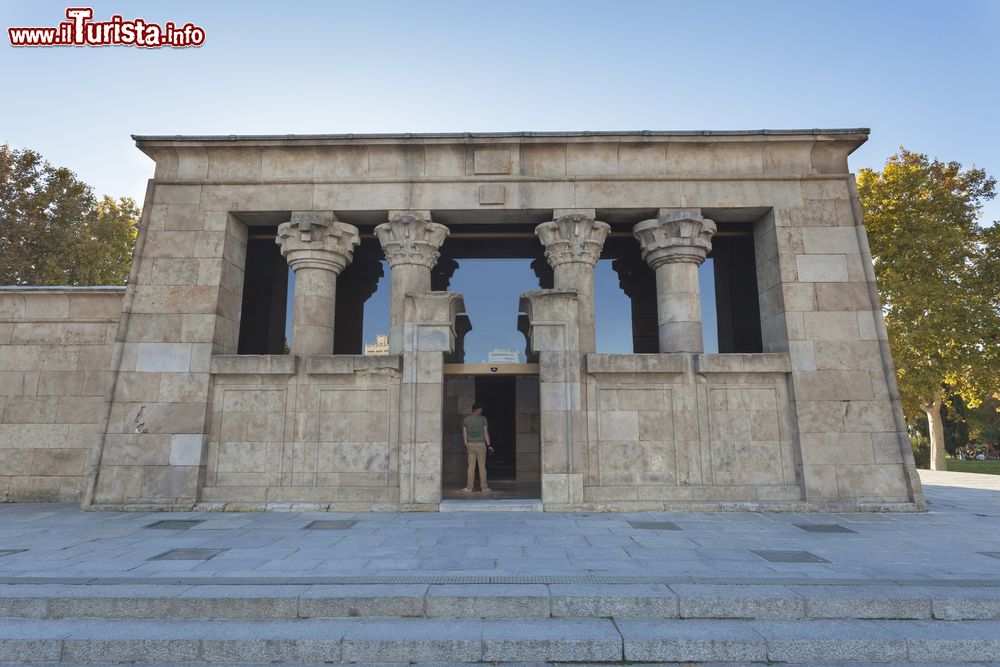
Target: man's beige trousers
<point>477,453</point>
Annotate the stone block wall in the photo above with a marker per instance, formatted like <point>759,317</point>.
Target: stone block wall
<point>303,433</point>
<point>144,379</point>
<point>679,430</point>
<point>56,356</point>
<point>824,310</point>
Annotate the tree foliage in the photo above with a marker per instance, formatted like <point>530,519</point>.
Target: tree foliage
<point>939,278</point>
<point>55,231</point>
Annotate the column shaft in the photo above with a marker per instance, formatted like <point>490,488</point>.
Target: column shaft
<point>313,311</point>
<point>675,244</point>
<point>573,243</point>
<point>579,276</point>
<point>410,241</point>
<point>406,279</point>
<point>678,307</point>
<point>317,248</point>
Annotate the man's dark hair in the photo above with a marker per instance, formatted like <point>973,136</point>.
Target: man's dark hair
<point>476,406</point>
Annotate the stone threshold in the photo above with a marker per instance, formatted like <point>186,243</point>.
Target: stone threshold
<point>491,505</point>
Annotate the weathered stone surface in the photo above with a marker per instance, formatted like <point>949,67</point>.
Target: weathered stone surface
<point>809,419</point>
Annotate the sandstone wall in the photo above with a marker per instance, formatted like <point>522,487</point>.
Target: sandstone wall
<point>306,433</point>
<point>682,428</point>
<point>56,347</point>
<point>167,428</point>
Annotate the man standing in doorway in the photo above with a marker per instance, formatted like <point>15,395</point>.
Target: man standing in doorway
<point>476,434</point>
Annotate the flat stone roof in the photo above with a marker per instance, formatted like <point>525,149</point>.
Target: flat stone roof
<point>499,135</point>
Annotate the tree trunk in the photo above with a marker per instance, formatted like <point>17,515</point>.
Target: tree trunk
<point>936,427</point>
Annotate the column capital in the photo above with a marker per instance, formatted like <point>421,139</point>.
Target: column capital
<point>573,238</point>
<point>410,237</point>
<point>314,239</point>
<point>675,235</point>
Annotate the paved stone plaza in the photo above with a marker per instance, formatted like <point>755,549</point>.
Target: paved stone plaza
<point>949,541</point>
<point>105,587</point>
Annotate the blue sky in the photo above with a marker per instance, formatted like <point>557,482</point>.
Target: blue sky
<point>920,74</point>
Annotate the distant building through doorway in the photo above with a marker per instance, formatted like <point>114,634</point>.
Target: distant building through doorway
<point>379,347</point>
<point>501,356</point>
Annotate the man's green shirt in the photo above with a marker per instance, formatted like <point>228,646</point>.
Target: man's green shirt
<point>475,426</point>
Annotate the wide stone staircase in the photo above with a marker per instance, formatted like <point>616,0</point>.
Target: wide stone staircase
<point>322,620</point>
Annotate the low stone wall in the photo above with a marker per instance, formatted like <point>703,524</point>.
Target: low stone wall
<point>678,428</point>
<point>56,346</point>
<point>292,432</point>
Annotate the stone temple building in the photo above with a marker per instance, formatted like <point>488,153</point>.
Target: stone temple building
<point>178,391</point>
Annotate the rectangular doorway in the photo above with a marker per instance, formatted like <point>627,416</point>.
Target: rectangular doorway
<point>510,405</point>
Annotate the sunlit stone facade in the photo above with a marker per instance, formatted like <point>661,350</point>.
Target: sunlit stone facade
<point>140,398</point>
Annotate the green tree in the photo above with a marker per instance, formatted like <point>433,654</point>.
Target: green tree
<point>938,281</point>
<point>55,231</point>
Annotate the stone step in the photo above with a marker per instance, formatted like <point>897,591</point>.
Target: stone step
<point>93,641</point>
<point>619,601</point>
<point>491,505</point>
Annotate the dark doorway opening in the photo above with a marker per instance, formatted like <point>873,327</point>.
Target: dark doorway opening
<point>496,393</point>
<point>510,405</point>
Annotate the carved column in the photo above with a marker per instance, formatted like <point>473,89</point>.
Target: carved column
<point>675,244</point>
<point>317,248</point>
<point>410,241</point>
<point>573,243</point>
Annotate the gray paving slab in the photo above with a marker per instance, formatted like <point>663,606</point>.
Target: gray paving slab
<point>898,550</point>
